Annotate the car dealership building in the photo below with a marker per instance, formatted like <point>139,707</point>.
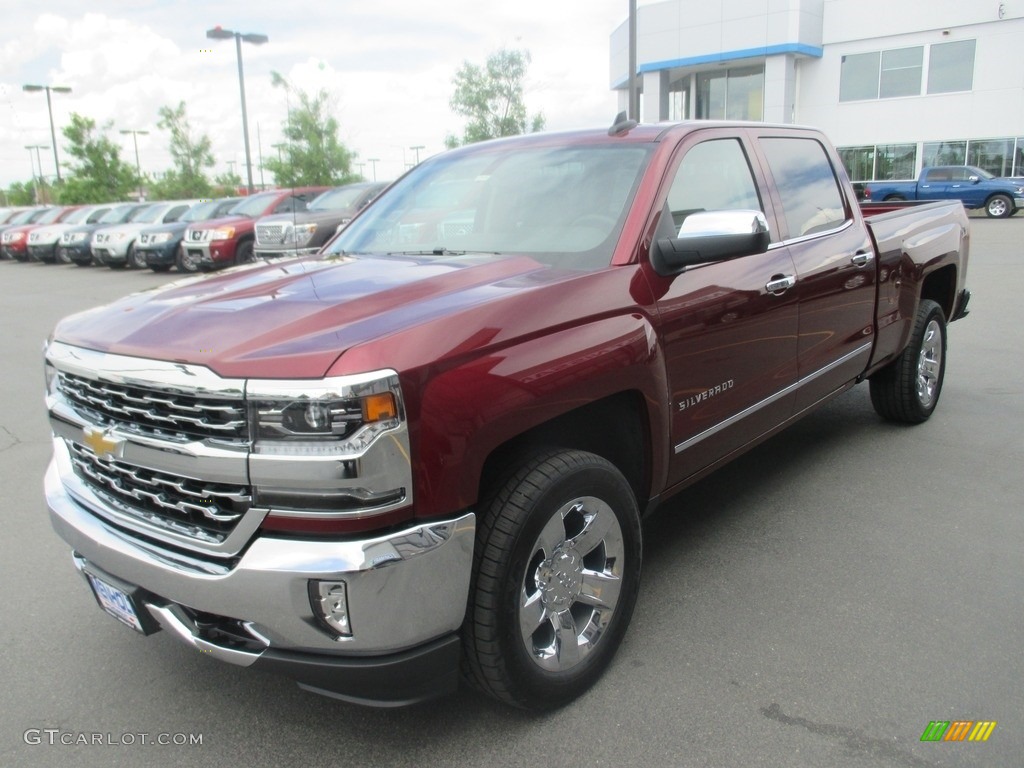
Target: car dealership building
<point>896,84</point>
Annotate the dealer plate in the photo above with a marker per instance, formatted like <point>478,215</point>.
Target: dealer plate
<point>116,602</point>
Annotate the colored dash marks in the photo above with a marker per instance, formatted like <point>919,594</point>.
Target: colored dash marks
<point>958,730</point>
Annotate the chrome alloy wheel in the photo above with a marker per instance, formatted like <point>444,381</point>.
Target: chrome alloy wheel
<point>572,584</point>
<point>929,364</point>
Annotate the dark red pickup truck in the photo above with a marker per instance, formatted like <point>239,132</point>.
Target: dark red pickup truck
<point>433,443</point>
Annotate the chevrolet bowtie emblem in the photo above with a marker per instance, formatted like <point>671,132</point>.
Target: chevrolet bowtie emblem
<point>104,446</point>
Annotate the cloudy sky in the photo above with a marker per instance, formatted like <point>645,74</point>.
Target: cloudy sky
<point>387,63</point>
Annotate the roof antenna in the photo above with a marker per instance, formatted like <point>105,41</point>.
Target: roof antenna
<point>621,125</point>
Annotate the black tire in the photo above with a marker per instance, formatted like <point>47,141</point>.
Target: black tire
<point>160,267</point>
<point>136,260</point>
<point>186,263</point>
<point>558,545</point>
<point>243,254</point>
<point>907,390</point>
<point>895,199</point>
<point>999,207</point>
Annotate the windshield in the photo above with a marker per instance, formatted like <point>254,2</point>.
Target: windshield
<point>50,216</point>
<point>200,211</point>
<point>118,213</point>
<point>77,217</point>
<point>561,205</point>
<point>149,215</point>
<point>337,199</point>
<point>25,216</point>
<point>253,206</point>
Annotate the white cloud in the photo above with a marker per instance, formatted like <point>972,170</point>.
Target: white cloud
<point>388,65</point>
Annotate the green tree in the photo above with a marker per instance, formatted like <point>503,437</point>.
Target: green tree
<point>21,193</point>
<point>98,174</point>
<point>191,153</point>
<point>491,98</point>
<point>311,153</point>
<point>226,184</point>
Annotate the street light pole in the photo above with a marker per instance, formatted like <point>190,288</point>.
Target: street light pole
<point>417,149</point>
<point>138,166</point>
<point>36,179</point>
<point>373,161</point>
<point>256,39</point>
<point>49,108</point>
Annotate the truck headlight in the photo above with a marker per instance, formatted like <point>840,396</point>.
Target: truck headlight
<point>224,233</point>
<point>332,417</point>
<point>300,234</point>
<point>159,237</point>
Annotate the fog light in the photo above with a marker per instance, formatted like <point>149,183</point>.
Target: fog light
<point>330,603</point>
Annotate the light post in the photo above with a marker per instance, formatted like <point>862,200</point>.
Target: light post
<point>256,39</point>
<point>36,179</point>
<point>373,161</point>
<point>417,149</point>
<point>138,166</point>
<point>49,107</point>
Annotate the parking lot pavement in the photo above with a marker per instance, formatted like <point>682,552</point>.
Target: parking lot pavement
<point>817,603</point>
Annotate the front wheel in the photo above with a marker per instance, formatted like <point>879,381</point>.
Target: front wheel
<point>136,260</point>
<point>907,390</point>
<point>556,575</point>
<point>244,253</point>
<point>186,262</point>
<point>999,207</point>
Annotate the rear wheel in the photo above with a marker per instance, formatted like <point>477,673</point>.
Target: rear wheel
<point>907,390</point>
<point>160,267</point>
<point>556,574</point>
<point>895,199</point>
<point>999,207</point>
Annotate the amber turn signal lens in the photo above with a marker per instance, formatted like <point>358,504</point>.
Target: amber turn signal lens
<point>379,407</point>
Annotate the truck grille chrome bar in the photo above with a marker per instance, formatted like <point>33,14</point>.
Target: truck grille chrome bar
<point>162,414</point>
<point>201,509</point>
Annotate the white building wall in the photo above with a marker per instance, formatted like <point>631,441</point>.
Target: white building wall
<point>995,107</point>
<point>802,42</point>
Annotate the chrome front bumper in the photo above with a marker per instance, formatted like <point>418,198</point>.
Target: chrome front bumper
<point>405,588</point>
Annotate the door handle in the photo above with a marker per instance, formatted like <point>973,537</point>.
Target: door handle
<point>861,258</point>
<point>780,284</point>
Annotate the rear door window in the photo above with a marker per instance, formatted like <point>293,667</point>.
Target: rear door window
<point>807,185</point>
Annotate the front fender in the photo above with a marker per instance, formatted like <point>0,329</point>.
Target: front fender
<point>469,411</point>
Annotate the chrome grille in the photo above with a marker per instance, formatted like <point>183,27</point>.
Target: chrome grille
<point>158,413</point>
<point>270,234</point>
<point>197,508</point>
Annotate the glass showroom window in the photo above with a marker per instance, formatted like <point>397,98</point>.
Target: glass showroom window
<point>951,67</point>
<point>901,73</point>
<point>994,155</point>
<point>858,78</point>
<point>896,161</point>
<point>679,99</point>
<point>859,162</point>
<point>1018,157</point>
<point>736,94</point>
<point>944,153</point>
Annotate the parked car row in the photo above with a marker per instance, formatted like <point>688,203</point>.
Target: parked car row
<point>191,235</point>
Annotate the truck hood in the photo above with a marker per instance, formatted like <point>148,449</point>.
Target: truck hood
<point>225,221</point>
<point>293,318</point>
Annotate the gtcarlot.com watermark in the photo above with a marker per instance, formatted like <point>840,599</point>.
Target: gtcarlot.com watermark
<point>58,737</point>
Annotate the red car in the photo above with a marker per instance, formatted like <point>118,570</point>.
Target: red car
<point>227,241</point>
<point>14,240</point>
